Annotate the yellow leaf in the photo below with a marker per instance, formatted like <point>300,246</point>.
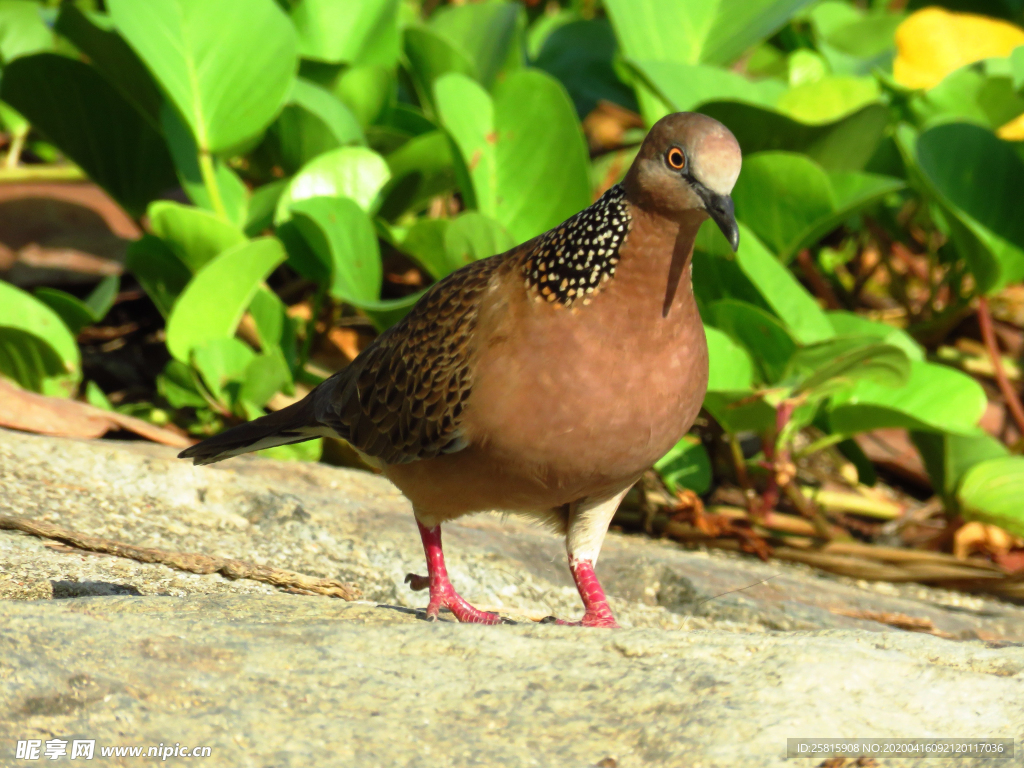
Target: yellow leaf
<point>933,42</point>
<point>1013,130</point>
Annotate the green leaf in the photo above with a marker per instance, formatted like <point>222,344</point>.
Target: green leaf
<point>308,450</point>
<point>713,32</point>
<point>730,368</point>
<point>228,80</point>
<point>425,242</point>
<point>222,363</point>
<point>354,172</point>
<point>177,385</point>
<point>527,139</point>
<point>94,36</point>
<point>581,55</point>
<point>791,202</point>
<point>430,56</point>
<point>213,302</point>
<point>838,362</point>
<point>485,32</point>
<point>783,292</point>
<point>343,238</point>
<point>264,377</point>
<point>970,94</point>
<point>314,122</point>
<point>367,91</point>
<point>992,491</point>
<point>947,457</point>
<point>20,311</point>
<point>356,32</point>
<point>30,362</point>
<point>194,235</point>
<point>421,169</point>
<point>765,338</point>
<point>829,99</point>
<point>685,87</point>
<point>262,207</point>
<point>844,145</point>
<point>162,274</point>
<point>93,125</point>
<point>686,465</point>
<point>22,30</point>
<point>935,398</point>
<point>233,192</point>
<point>72,310</point>
<point>849,324</point>
<point>103,296</point>
<point>472,236</point>
<point>980,180</point>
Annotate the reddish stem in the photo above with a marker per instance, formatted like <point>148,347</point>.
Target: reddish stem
<point>988,335</point>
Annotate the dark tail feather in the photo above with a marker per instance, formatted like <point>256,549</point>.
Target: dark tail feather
<point>293,424</point>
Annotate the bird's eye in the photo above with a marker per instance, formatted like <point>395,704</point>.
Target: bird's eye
<point>676,159</point>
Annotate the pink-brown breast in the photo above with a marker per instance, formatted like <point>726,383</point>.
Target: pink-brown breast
<point>569,403</point>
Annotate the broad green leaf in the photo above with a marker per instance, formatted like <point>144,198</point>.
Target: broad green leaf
<point>342,236</point>
<point>970,94</point>
<point>849,324</point>
<point>78,313</point>
<point>729,365</point>
<point>22,30</point>
<point>307,450</point>
<point>430,57</point>
<point>935,398</point>
<point>1017,67</point>
<point>829,99</point>
<point>177,385</point>
<point>992,491</point>
<point>314,122</point>
<point>713,32</point>
<point>194,235</point>
<point>228,80</point>
<point>213,302</point>
<point>20,311</point>
<point>421,169</point>
<point>354,32</point>
<point>160,272</point>
<point>264,377</point>
<point>783,292</point>
<point>764,337</point>
<point>947,457</point>
<point>485,32</point>
<point>94,36</point>
<point>844,145</point>
<point>222,363</point>
<point>31,363</point>
<point>980,179</point>
<point>234,195</point>
<point>841,361</point>
<point>367,91</point>
<point>581,55</point>
<point>530,141</point>
<point>791,202</point>
<point>93,125</point>
<point>686,465</point>
<point>686,87</point>
<point>71,309</point>
<point>473,236</point>
<point>263,206</point>
<point>782,195</point>
<point>425,242</point>
<point>354,172</point>
<point>740,412</point>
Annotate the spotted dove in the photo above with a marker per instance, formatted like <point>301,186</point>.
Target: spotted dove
<point>542,381</point>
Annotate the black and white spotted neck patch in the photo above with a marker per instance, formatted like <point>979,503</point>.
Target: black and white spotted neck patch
<point>574,260</point>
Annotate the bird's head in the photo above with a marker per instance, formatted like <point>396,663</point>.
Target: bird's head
<point>688,162</point>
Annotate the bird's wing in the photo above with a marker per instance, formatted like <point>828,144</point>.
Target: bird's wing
<point>402,399</point>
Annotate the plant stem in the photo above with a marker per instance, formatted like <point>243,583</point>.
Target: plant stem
<point>14,151</point>
<point>210,182</point>
<point>820,444</point>
<point>988,335</point>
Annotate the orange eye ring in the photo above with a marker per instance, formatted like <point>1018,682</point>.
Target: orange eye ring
<point>676,159</point>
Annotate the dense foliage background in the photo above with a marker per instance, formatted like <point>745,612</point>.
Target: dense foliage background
<point>303,169</point>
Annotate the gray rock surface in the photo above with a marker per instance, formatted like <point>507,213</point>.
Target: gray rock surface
<point>143,654</point>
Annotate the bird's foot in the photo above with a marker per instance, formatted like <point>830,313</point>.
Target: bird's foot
<point>597,617</point>
<point>447,597</point>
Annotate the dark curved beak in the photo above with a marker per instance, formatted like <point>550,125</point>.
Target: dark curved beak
<point>720,208</point>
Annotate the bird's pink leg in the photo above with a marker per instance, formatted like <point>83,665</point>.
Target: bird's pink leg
<point>442,593</point>
<point>597,614</point>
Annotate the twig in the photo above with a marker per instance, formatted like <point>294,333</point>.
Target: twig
<point>988,335</point>
<point>820,285</point>
<point>184,561</point>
